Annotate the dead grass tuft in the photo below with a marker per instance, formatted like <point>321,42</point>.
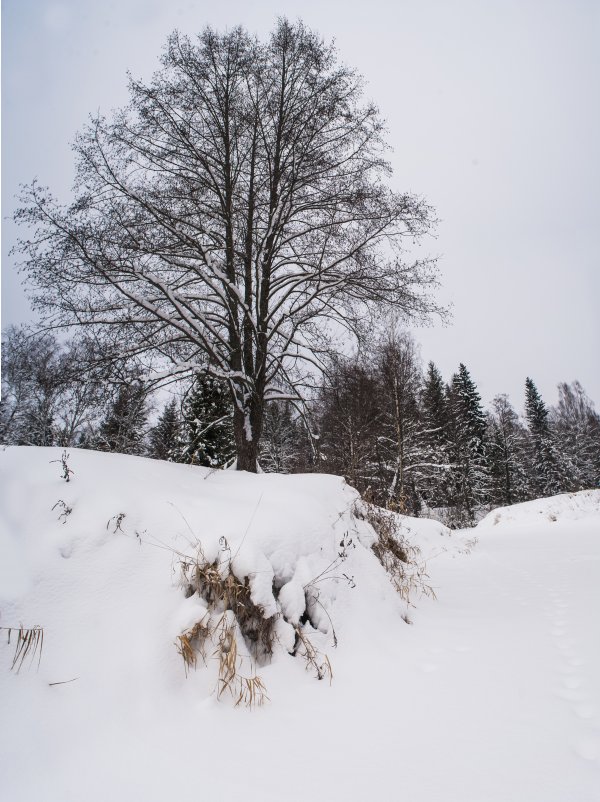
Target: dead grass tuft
<point>230,611</point>
<point>29,641</point>
<point>192,642</point>
<point>216,583</point>
<point>400,559</point>
<point>315,660</point>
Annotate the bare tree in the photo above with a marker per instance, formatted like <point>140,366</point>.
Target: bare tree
<point>230,218</point>
<point>401,453</point>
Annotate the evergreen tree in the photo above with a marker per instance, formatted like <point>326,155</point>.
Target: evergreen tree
<point>124,427</point>
<point>544,464</point>
<point>434,434</point>
<point>507,447</point>
<point>165,437</point>
<point>208,437</point>
<point>470,473</point>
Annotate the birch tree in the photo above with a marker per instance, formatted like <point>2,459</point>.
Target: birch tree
<point>230,218</point>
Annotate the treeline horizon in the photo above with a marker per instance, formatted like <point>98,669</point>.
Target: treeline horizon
<point>392,427</point>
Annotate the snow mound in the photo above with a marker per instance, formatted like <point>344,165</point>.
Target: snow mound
<point>564,507</point>
<point>133,560</point>
<point>262,583</point>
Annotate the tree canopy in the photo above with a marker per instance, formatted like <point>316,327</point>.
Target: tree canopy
<point>229,218</point>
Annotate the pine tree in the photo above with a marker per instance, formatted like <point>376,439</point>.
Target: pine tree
<point>544,463</point>
<point>208,424</point>
<point>470,473</point>
<point>124,428</point>
<point>165,437</point>
<point>434,435</point>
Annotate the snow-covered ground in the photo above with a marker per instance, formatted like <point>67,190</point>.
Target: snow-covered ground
<point>493,692</point>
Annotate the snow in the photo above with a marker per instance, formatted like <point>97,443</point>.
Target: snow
<point>491,694</point>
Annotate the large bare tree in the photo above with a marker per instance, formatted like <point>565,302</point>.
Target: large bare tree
<point>231,218</point>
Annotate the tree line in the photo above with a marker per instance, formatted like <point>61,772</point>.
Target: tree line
<point>400,434</point>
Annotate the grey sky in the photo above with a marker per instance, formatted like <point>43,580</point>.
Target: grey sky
<point>493,113</point>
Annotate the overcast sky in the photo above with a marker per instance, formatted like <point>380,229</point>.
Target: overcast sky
<point>493,114</point>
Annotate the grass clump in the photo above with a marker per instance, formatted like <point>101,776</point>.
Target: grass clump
<point>231,613</point>
<point>29,642</point>
<point>400,559</point>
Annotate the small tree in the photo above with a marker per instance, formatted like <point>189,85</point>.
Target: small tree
<point>349,421</point>
<point>434,434</point>
<point>284,444</point>
<point>124,427</point>
<point>470,472</point>
<point>164,439</point>
<point>576,427</point>
<point>507,448</point>
<point>208,424</point>
<point>544,462</point>
<point>401,455</point>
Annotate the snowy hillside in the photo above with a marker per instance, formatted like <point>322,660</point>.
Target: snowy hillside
<point>269,582</point>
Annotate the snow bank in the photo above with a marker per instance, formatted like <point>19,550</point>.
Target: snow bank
<point>491,694</point>
<point>131,554</point>
<point>564,507</point>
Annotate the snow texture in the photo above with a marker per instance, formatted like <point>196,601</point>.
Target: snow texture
<point>492,694</point>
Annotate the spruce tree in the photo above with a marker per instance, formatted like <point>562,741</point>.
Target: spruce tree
<point>165,438</point>
<point>124,427</point>
<point>434,435</point>
<point>208,437</point>
<point>470,473</point>
<point>544,463</point>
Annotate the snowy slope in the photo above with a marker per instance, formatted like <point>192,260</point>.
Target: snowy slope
<point>491,694</point>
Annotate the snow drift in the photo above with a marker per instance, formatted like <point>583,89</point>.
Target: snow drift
<point>268,583</point>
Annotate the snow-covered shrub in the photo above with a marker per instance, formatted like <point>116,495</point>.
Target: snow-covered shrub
<point>241,632</point>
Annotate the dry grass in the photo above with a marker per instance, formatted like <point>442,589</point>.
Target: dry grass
<point>29,641</point>
<point>216,583</point>
<point>230,611</point>
<point>315,660</point>
<point>249,691</point>
<point>192,642</point>
<point>400,559</point>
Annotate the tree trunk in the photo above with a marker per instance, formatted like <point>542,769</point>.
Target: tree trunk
<point>247,427</point>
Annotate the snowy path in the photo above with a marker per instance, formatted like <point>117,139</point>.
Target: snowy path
<point>493,694</point>
<point>509,665</point>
